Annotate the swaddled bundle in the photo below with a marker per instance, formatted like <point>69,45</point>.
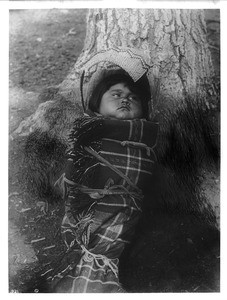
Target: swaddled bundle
<point>108,169</point>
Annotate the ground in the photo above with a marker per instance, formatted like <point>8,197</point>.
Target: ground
<point>182,255</point>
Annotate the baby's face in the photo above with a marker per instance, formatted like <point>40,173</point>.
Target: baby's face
<point>120,103</point>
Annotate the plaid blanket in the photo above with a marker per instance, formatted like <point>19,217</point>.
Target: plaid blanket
<point>109,166</point>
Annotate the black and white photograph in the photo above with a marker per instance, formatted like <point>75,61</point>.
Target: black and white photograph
<point>114,151</point>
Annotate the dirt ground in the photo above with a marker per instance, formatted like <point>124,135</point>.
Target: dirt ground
<point>180,256</point>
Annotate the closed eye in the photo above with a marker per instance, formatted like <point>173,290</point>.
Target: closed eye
<point>134,98</point>
<point>116,95</point>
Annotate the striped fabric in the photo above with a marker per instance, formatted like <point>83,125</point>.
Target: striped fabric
<point>102,206</point>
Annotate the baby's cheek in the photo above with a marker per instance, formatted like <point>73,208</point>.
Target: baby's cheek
<point>137,109</point>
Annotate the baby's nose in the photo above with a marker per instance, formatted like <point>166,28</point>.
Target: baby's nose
<point>125,100</point>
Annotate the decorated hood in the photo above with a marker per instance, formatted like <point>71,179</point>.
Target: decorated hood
<point>132,61</point>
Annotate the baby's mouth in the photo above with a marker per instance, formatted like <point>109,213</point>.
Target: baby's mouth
<point>124,107</point>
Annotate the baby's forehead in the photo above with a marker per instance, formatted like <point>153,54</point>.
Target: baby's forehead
<point>121,86</point>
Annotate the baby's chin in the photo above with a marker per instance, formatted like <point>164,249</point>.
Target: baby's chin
<point>125,115</point>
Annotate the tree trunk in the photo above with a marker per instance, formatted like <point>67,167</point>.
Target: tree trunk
<point>174,40</point>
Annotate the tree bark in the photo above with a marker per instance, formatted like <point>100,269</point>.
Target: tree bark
<point>174,40</point>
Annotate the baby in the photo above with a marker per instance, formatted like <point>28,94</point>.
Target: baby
<point>108,171</point>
